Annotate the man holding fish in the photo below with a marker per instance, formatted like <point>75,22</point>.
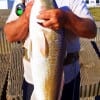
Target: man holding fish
<point>73,19</point>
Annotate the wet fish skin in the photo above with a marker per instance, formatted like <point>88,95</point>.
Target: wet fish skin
<point>46,56</point>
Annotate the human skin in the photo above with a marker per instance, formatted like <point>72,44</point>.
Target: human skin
<point>55,19</point>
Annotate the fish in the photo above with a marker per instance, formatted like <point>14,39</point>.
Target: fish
<point>46,53</point>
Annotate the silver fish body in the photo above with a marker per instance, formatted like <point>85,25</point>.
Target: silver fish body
<point>46,56</point>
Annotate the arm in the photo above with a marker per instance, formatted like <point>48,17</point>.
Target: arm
<point>82,27</point>
<point>56,19</point>
<point>17,30</point>
<point>75,18</point>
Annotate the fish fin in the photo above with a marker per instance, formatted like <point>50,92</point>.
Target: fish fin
<point>44,47</point>
<point>61,88</point>
<point>28,49</point>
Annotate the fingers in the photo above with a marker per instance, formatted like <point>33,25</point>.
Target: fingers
<point>30,2</point>
<point>50,23</point>
<point>45,15</point>
<point>52,18</point>
<point>28,8</point>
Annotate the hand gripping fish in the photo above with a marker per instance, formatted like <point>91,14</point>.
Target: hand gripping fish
<point>46,55</point>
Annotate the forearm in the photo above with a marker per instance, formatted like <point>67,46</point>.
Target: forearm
<point>17,30</point>
<point>82,27</point>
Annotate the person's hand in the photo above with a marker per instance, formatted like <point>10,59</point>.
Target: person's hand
<point>19,28</point>
<point>28,9</point>
<point>53,18</point>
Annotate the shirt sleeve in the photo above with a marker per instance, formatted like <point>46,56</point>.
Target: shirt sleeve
<point>79,7</point>
<point>13,15</point>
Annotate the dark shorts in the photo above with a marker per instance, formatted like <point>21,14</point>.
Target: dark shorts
<point>70,90</point>
<point>97,98</point>
<point>27,90</point>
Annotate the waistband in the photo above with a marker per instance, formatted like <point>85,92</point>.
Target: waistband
<point>71,58</point>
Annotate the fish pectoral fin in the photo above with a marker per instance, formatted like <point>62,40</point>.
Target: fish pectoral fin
<point>44,47</point>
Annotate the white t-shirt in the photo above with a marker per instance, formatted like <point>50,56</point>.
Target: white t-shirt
<point>79,8</point>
